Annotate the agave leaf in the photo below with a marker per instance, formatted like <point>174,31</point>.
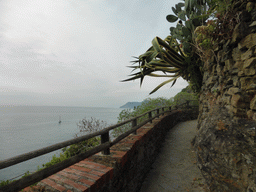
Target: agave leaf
<point>132,78</point>
<point>172,52</point>
<point>174,82</point>
<point>135,61</point>
<point>167,70</point>
<point>159,63</point>
<point>173,64</point>
<point>162,84</point>
<point>181,52</point>
<point>156,75</point>
<point>141,80</point>
<point>156,45</point>
<point>152,56</point>
<point>133,67</point>
<point>146,54</point>
<point>170,59</point>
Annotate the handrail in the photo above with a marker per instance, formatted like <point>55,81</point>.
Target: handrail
<point>104,146</point>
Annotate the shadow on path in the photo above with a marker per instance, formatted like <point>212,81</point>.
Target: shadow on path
<point>175,167</point>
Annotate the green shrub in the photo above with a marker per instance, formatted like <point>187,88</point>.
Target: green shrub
<point>146,105</point>
<point>85,126</point>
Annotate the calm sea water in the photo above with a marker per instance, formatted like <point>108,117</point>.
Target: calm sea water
<point>27,128</point>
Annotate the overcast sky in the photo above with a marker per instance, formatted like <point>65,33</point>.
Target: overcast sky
<point>75,52</point>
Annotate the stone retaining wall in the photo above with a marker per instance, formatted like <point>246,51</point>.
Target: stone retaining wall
<point>226,142</point>
<point>124,169</point>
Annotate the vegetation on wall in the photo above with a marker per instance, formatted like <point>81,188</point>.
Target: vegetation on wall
<point>200,25</point>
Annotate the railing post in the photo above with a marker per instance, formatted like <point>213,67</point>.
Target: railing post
<point>105,138</point>
<point>170,108</point>
<point>134,123</point>
<point>157,112</point>
<point>163,110</point>
<point>150,116</point>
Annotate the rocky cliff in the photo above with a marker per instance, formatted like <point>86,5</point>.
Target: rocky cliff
<point>226,148</point>
<point>131,105</point>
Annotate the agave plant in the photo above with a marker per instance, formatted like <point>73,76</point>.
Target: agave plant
<point>167,56</point>
<point>164,56</point>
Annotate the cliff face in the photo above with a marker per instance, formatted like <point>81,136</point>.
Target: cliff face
<point>226,144</point>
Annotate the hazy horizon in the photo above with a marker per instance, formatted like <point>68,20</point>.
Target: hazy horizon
<point>75,53</point>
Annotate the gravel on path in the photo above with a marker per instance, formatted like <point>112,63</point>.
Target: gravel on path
<point>175,167</point>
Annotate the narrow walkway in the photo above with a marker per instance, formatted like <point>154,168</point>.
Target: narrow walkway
<point>175,168</point>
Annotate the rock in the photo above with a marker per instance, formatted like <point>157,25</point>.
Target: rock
<point>239,65</point>
<point>240,31</point>
<point>250,114</point>
<point>241,74</point>
<point>236,36</point>
<point>253,13</point>
<point>248,42</point>
<point>253,24</point>
<point>244,16</point>
<point>236,54</point>
<point>234,71</point>
<point>252,86</point>
<point>219,69</point>
<point>251,188</point>
<point>236,83</point>
<point>247,83</point>
<point>253,103</point>
<point>249,72</point>
<point>233,90</point>
<point>211,80</point>
<point>236,100</point>
<point>250,62</point>
<point>228,64</point>
<point>225,144</point>
<point>247,55</point>
<point>131,105</point>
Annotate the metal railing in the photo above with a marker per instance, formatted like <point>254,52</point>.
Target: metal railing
<point>104,147</point>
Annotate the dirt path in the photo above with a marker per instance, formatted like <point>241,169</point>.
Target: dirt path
<point>174,169</point>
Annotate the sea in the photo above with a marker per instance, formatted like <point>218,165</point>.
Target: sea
<point>27,128</point>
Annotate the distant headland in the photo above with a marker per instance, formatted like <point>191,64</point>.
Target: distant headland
<point>131,105</point>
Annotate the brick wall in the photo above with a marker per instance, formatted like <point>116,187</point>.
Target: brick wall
<point>124,169</point>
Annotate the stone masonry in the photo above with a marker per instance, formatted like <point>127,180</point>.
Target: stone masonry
<point>226,149</point>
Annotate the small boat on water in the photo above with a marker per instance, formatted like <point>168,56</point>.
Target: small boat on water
<point>59,121</point>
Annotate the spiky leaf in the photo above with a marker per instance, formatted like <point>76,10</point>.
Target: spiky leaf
<point>162,84</point>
